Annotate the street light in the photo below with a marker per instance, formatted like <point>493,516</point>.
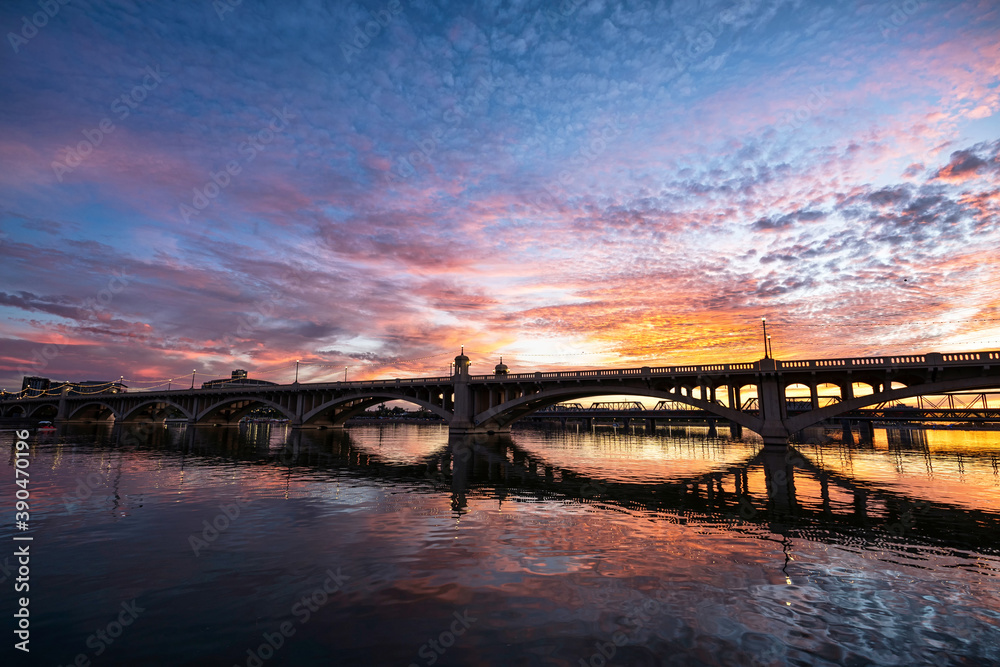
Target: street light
<point>770,346</point>
<point>763,323</point>
<point>345,373</point>
<point>296,371</point>
<point>192,377</point>
<point>168,383</point>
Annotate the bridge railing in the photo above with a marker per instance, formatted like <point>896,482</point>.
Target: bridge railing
<point>617,372</point>
<point>972,356</point>
<point>914,360</point>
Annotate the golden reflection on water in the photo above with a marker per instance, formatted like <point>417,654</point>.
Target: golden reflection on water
<point>629,455</point>
<point>957,467</point>
<point>661,550</point>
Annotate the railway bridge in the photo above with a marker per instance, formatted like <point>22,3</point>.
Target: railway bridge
<point>491,403</point>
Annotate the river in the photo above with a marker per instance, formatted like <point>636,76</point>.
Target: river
<point>390,545</point>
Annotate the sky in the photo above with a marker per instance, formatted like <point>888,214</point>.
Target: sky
<point>204,186</point>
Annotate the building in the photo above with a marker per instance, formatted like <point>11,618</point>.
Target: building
<point>239,379</point>
<point>34,386</point>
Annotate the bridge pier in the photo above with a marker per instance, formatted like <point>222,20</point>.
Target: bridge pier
<point>866,433</point>
<point>463,408</point>
<point>61,411</point>
<point>772,407</point>
<point>847,434</point>
<point>776,443</point>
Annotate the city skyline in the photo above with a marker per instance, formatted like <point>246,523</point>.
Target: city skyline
<point>371,186</point>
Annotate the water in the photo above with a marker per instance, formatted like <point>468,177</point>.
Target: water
<point>386,545</point>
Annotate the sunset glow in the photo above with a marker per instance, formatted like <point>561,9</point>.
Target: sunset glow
<point>576,185</point>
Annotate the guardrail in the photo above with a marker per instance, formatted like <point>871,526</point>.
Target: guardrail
<point>913,360</point>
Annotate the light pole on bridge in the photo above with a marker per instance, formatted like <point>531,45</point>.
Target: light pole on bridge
<point>770,347</point>
<point>192,377</point>
<point>296,371</point>
<point>767,339</point>
<point>763,323</point>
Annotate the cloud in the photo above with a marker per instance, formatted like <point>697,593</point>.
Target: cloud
<point>972,162</point>
<point>644,179</point>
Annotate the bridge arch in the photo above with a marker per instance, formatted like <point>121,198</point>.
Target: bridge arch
<point>812,417</point>
<point>826,390</point>
<point>18,411</point>
<point>500,417</point>
<point>216,410</point>
<point>93,410</point>
<point>44,411</point>
<point>133,411</point>
<point>796,386</point>
<point>357,402</point>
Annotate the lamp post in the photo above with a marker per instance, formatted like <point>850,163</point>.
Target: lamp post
<point>345,373</point>
<point>192,377</point>
<point>770,346</point>
<point>763,323</point>
<point>168,383</point>
<point>296,371</point>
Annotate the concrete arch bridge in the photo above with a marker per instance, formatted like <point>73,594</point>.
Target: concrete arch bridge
<point>491,403</point>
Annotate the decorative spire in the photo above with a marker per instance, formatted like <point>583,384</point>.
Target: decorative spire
<point>501,368</point>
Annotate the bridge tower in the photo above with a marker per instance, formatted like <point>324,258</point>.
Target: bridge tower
<point>463,403</point>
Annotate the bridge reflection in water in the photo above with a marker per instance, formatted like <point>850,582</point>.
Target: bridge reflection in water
<point>736,553</point>
<point>787,492</point>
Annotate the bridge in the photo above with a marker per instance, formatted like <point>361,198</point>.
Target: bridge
<point>491,403</point>
<point>979,408</point>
